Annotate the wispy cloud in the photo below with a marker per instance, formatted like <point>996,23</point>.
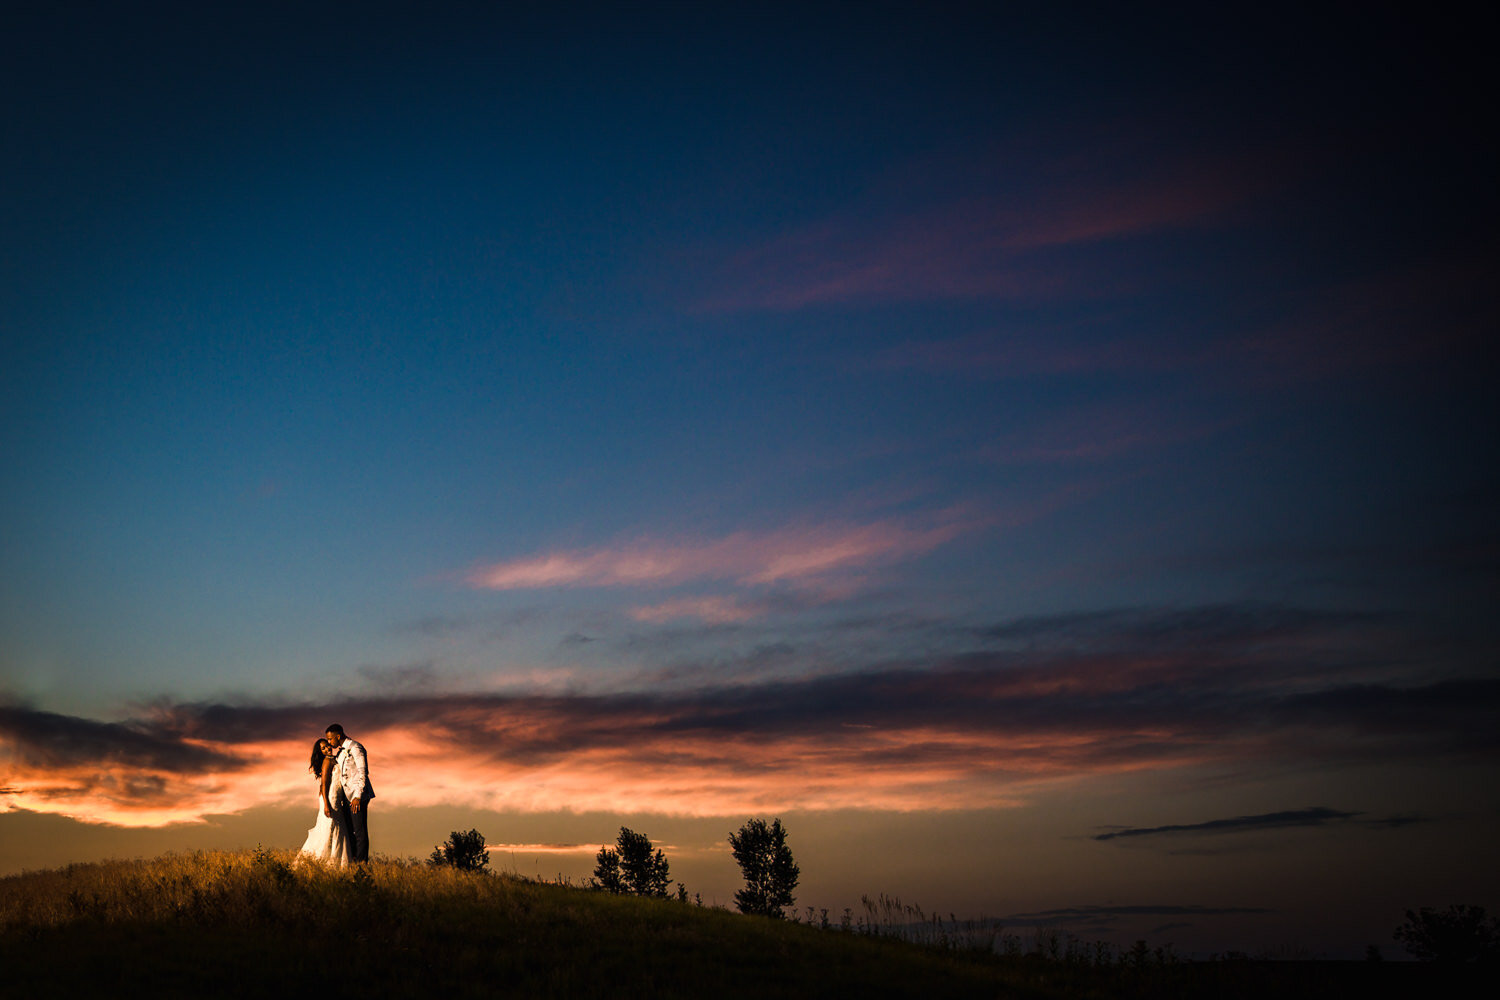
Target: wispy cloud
<point>786,555</point>
<point>545,848</point>
<point>1429,314</point>
<point>998,244</point>
<point>1390,321</point>
<point>1099,433</point>
<point>1100,918</point>
<point>1241,625</point>
<point>1028,353</point>
<point>1397,821</point>
<point>1314,816</point>
<point>712,609</point>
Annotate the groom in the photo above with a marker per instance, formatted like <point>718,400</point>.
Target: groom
<point>355,790</point>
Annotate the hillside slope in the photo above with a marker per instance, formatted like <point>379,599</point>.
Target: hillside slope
<point>250,924</point>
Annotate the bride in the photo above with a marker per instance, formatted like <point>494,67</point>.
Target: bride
<point>326,841</point>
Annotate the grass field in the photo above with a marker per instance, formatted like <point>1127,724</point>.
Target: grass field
<point>256,924</point>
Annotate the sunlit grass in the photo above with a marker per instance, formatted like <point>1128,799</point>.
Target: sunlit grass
<point>232,886</point>
<point>255,922</point>
<point>262,923</point>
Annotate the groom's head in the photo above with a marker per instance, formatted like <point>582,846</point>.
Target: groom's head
<point>335,735</point>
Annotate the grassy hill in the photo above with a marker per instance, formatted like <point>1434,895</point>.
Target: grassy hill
<point>256,924</point>
<point>252,924</point>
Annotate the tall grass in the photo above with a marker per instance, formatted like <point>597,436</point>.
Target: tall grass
<point>256,923</point>
<point>233,887</point>
<point>261,923</point>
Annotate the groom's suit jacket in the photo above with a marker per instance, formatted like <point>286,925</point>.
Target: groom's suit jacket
<point>354,771</point>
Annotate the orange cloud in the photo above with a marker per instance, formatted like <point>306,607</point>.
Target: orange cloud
<point>1119,691</point>
<point>547,753</point>
<point>546,848</point>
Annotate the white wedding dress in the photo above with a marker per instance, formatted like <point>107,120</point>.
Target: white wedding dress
<point>326,841</point>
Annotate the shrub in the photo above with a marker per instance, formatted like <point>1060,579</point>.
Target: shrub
<point>1457,934</point>
<point>464,851</point>
<point>632,869</point>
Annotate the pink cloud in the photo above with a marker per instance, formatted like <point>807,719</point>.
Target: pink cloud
<point>714,610</point>
<point>786,555</point>
<point>984,246</point>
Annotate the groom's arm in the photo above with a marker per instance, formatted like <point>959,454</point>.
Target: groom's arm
<point>357,774</point>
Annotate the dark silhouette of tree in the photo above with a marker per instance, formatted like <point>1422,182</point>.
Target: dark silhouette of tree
<point>464,851</point>
<point>632,869</point>
<point>1457,934</point>
<point>607,871</point>
<point>766,862</point>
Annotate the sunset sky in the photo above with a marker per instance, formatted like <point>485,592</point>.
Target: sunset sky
<point>1047,460</point>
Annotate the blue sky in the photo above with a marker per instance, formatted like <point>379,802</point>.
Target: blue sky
<point>1030,390</point>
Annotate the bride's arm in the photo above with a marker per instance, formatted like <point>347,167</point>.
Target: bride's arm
<point>323,785</point>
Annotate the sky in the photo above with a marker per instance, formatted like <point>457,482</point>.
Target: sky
<point>1046,458</point>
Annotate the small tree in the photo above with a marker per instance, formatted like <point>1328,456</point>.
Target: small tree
<point>766,862</point>
<point>634,868</point>
<point>607,871</point>
<point>1457,934</point>
<point>464,851</point>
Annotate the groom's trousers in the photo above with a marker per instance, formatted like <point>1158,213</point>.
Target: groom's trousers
<point>358,825</point>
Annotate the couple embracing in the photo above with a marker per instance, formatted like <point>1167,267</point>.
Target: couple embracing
<point>341,833</point>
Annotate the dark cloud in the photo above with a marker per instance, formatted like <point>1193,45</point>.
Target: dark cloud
<point>1148,689</point>
<point>1216,625</point>
<point>46,739</point>
<point>1316,816</point>
<point>1466,706</point>
<point>1107,917</point>
<point>980,696</point>
<point>1396,822</point>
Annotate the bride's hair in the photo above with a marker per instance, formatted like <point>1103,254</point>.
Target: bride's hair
<point>318,753</point>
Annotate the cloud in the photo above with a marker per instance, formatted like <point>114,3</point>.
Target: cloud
<point>1239,626</point>
<point>545,848</point>
<point>711,609</point>
<point>970,718</point>
<point>976,733</point>
<point>1105,917</point>
<point>1396,822</point>
<point>1008,354</point>
<point>47,739</point>
<point>1430,313</point>
<point>118,771</point>
<point>1315,816</point>
<point>1001,244</point>
<point>787,555</point>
